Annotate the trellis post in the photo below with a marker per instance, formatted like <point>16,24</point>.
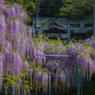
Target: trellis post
<point>13,88</point>
<point>49,88</point>
<point>78,81</point>
<point>67,87</point>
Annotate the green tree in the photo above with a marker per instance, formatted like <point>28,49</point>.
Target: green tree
<point>77,10</point>
<point>50,8</point>
<point>37,2</point>
<point>70,4</point>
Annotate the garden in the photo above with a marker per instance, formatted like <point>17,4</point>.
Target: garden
<point>21,73</point>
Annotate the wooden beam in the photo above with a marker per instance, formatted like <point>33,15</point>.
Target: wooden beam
<point>53,34</point>
<point>77,21</point>
<point>56,55</point>
<point>85,28</point>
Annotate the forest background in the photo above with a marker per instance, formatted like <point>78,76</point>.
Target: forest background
<point>56,9</point>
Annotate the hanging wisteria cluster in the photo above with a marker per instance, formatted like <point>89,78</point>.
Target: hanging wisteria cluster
<point>18,49</point>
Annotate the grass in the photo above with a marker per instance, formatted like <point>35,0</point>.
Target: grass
<point>89,90</point>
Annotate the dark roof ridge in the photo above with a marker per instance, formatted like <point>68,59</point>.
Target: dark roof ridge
<point>53,21</point>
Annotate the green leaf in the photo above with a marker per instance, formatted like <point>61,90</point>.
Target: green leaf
<point>17,85</point>
<point>31,88</point>
<point>27,57</point>
<point>57,64</point>
<point>43,24</point>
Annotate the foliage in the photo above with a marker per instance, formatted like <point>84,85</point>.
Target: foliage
<point>29,20</point>
<point>50,8</point>
<point>89,33</point>
<point>81,11</point>
<point>87,90</point>
<point>52,46</point>
<point>43,24</point>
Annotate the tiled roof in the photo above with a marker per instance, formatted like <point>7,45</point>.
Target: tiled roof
<point>59,21</point>
<point>61,28</point>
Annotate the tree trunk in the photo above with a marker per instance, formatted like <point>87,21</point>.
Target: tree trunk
<point>37,13</point>
<point>37,10</point>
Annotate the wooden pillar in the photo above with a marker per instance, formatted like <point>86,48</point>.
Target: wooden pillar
<point>94,20</point>
<point>68,31</point>
<point>81,25</point>
<point>93,4</point>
